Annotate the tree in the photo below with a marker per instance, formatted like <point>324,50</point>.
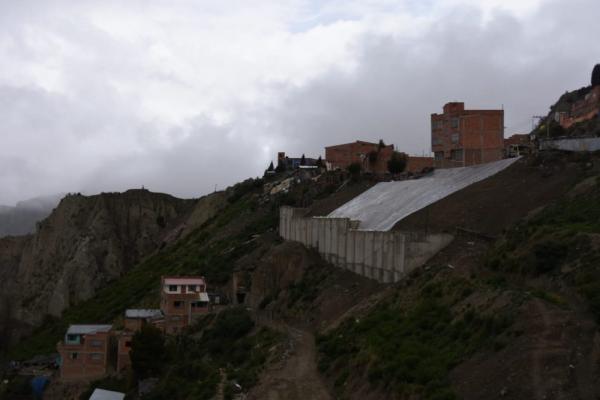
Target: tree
<point>319,162</point>
<point>397,163</point>
<point>354,169</point>
<point>372,156</point>
<point>147,351</point>
<point>596,75</point>
<point>271,167</point>
<point>303,160</point>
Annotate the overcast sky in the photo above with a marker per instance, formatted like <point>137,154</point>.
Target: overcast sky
<point>180,96</point>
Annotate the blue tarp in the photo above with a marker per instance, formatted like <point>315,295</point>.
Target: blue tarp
<point>38,384</point>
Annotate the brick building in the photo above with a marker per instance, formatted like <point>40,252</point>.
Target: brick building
<point>462,137</point>
<point>517,145</point>
<point>371,156</point>
<point>582,110</point>
<point>416,164</point>
<point>182,299</point>
<point>84,352</point>
<point>294,162</point>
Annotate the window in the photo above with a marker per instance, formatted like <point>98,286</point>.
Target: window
<point>178,304</point>
<point>455,137</point>
<point>199,304</point>
<point>96,343</point>
<point>457,155</point>
<point>192,288</point>
<point>436,140</point>
<point>74,355</point>
<point>172,288</point>
<point>439,155</point>
<point>454,122</point>
<point>176,318</point>
<point>96,356</point>
<point>73,339</point>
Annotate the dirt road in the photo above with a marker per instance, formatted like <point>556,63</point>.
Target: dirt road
<point>295,376</point>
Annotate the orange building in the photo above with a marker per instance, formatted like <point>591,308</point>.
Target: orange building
<point>183,298</point>
<point>462,137</point>
<point>84,352</point>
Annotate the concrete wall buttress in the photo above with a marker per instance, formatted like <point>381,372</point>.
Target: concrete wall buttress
<point>384,256</point>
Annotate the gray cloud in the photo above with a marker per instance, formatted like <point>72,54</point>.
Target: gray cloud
<point>92,107</point>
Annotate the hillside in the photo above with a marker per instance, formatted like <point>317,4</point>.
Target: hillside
<point>509,309</point>
<point>84,244</point>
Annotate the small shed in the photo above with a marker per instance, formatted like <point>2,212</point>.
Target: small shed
<point>101,394</point>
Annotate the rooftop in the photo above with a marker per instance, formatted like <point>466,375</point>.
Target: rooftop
<point>183,280</point>
<point>101,394</point>
<point>87,329</point>
<point>143,313</point>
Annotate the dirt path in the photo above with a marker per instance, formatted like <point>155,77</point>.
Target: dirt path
<point>562,357</point>
<point>295,376</point>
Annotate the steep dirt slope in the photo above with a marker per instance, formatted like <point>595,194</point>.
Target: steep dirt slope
<point>85,243</point>
<point>491,205</point>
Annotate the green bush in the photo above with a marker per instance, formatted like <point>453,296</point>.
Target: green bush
<point>148,351</point>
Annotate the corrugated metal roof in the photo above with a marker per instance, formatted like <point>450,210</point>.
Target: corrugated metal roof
<point>184,281</point>
<point>143,313</point>
<point>87,329</point>
<point>101,394</point>
<point>204,296</point>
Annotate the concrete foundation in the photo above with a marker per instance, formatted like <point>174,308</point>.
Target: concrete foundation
<point>385,256</point>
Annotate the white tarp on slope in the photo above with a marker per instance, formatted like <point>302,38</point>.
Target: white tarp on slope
<point>379,208</point>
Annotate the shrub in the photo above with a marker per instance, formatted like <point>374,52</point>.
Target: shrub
<point>355,169</point>
<point>397,163</point>
<point>596,75</point>
<point>147,351</point>
<point>549,255</point>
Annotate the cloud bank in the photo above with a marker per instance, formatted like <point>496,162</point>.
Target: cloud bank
<point>180,96</point>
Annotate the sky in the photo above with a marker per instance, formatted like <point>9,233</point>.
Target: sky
<point>187,96</point>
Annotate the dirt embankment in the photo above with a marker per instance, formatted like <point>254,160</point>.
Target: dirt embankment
<point>294,291</point>
<point>492,205</point>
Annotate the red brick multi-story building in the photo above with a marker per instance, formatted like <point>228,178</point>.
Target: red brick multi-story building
<point>183,298</point>
<point>462,137</point>
<point>84,352</point>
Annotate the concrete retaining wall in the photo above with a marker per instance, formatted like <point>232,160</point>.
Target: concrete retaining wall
<point>571,144</point>
<point>383,256</point>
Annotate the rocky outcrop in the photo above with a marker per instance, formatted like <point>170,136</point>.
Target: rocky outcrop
<point>85,243</point>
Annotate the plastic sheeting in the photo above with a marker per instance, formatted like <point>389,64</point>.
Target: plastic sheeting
<point>382,206</point>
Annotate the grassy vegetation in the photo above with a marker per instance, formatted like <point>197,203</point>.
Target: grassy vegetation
<point>560,241</point>
<point>195,359</point>
<point>409,348</point>
<point>211,250</point>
